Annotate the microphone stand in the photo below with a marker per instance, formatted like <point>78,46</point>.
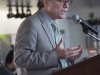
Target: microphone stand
<point>87,32</point>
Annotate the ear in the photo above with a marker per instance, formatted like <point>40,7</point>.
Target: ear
<point>45,2</point>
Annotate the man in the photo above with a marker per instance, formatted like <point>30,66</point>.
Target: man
<point>9,66</point>
<point>36,50</point>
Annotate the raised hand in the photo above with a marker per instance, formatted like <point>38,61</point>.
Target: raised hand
<point>72,53</point>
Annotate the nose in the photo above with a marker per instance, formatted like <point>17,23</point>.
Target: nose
<point>66,5</point>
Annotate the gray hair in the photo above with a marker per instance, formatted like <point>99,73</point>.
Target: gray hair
<point>40,4</point>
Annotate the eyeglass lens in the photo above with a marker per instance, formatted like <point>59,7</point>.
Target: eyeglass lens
<point>64,2</point>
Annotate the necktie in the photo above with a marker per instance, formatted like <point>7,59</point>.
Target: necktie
<point>57,37</point>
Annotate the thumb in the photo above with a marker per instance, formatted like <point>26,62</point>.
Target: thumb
<point>61,41</point>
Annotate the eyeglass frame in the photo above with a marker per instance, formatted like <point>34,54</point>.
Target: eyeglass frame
<point>64,2</point>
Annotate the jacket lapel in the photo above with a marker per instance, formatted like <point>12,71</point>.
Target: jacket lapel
<point>46,28</point>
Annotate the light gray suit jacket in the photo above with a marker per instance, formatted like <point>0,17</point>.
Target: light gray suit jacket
<point>34,52</point>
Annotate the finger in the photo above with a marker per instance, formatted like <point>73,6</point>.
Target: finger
<point>76,48</point>
<point>80,46</point>
<point>76,51</point>
<point>77,54</point>
<point>80,53</point>
<point>71,52</point>
<point>73,55</point>
<point>61,41</point>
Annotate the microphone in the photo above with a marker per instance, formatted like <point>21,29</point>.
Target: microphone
<point>84,24</point>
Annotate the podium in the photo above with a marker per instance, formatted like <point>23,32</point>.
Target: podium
<point>90,66</point>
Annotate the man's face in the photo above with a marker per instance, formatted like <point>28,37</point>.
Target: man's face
<point>55,9</point>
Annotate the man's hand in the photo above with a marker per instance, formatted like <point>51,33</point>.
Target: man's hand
<point>72,53</point>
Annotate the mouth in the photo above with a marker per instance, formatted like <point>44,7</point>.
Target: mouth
<point>64,11</point>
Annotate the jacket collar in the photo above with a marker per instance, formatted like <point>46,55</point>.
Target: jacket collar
<point>46,28</point>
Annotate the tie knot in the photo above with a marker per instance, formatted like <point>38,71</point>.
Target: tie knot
<point>54,25</point>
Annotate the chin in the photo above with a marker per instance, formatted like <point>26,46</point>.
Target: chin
<point>63,17</point>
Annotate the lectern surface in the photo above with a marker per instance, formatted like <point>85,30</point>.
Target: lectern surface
<point>89,66</point>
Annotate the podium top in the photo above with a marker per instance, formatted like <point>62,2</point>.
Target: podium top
<point>84,64</point>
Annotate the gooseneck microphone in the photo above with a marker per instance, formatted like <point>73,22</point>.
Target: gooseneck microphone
<point>76,18</point>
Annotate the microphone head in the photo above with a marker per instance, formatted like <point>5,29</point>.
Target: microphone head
<point>75,17</point>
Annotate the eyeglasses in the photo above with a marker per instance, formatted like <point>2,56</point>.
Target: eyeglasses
<point>62,2</point>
